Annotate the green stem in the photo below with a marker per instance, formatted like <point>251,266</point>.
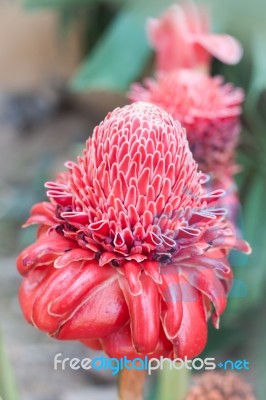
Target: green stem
<point>172,384</point>
<point>8,389</point>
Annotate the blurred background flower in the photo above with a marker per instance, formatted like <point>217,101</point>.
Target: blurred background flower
<point>220,386</point>
<point>182,38</point>
<point>210,112</point>
<point>63,65</point>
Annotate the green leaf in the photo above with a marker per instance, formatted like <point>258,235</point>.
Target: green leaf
<point>255,222</point>
<point>61,4</point>
<point>258,57</point>
<point>116,60</point>
<point>224,339</point>
<point>249,28</point>
<point>256,350</point>
<point>121,54</point>
<point>57,4</point>
<point>250,276</point>
<point>8,390</point>
<point>242,17</point>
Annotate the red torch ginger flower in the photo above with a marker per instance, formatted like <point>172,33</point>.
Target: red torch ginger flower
<point>181,39</point>
<point>210,111</point>
<point>131,252</point>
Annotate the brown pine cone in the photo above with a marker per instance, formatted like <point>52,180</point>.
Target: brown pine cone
<point>220,386</point>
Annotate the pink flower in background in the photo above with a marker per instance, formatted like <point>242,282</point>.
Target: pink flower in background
<point>209,109</point>
<point>181,38</point>
<point>131,251</point>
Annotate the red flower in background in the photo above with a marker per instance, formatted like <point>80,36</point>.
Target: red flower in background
<point>131,252</point>
<point>181,39</point>
<point>209,110</point>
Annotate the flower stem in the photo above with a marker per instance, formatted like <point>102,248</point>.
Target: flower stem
<point>172,384</point>
<point>131,385</point>
<point>8,388</point>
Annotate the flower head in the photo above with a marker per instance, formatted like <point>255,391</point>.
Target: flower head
<point>208,108</point>
<point>220,385</point>
<point>131,251</point>
<point>181,39</point>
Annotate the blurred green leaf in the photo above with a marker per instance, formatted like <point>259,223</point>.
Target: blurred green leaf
<point>225,338</point>
<point>250,271</point>
<point>8,389</point>
<point>117,59</point>
<point>249,28</point>
<point>241,17</point>
<point>255,229</point>
<point>122,52</point>
<point>256,349</point>
<point>57,4</point>
<point>60,4</point>
<point>259,61</point>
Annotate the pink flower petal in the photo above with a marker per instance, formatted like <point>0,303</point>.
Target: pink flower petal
<point>224,47</point>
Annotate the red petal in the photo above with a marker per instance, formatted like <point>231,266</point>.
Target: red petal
<point>77,219</point>
<point>73,255</point>
<point>119,344</point>
<point>206,281</point>
<point>172,311</point>
<point>143,181</point>
<point>152,268</point>
<point>101,313</point>
<point>50,290</point>
<point>106,258</point>
<point>44,251</point>
<point>132,215</point>
<point>132,272</point>
<point>92,343</point>
<point>42,213</point>
<point>29,289</point>
<point>62,198</point>
<point>144,312</point>
<point>231,242</point>
<point>213,196</point>
<point>217,262</point>
<point>147,219</point>
<point>192,336</point>
<point>88,278</point>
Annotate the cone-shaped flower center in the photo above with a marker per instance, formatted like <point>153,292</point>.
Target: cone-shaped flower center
<point>136,192</point>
